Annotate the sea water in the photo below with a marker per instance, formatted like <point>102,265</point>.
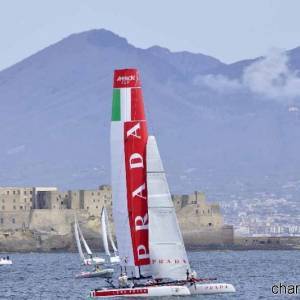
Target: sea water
<point>52,275</point>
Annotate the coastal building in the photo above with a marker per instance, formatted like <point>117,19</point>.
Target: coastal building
<point>16,204</point>
<point>48,208</point>
<point>90,200</point>
<point>39,196</point>
<point>93,200</point>
<point>201,222</point>
<point>15,198</point>
<point>196,206</point>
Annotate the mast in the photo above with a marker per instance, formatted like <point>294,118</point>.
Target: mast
<point>128,169</point>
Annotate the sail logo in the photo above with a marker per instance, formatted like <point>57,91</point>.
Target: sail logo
<point>135,140</point>
<point>168,261</point>
<point>125,79</point>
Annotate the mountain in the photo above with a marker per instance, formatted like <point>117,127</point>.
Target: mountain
<point>219,126</point>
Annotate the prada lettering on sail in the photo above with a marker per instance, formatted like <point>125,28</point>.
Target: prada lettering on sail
<point>135,141</point>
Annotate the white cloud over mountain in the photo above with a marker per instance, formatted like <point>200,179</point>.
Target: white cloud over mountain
<point>270,77</point>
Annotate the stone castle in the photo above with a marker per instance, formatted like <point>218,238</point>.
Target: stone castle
<point>42,213</point>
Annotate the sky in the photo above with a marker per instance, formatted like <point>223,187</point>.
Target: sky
<point>229,30</point>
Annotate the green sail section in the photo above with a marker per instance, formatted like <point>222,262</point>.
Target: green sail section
<point>116,106</point>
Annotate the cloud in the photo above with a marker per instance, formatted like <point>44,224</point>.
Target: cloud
<point>269,77</point>
<point>220,83</point>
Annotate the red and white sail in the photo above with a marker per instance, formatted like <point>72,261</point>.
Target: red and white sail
<point>128,166</point>
<point>167,252</point>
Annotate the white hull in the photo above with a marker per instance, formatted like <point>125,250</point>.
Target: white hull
<point>105,273</point>
<point>165,290</point>
<point>4,262</point>
<point>155,291</point>
<point>93,261</point>
<point>114,259</point>
<point>211,288</point>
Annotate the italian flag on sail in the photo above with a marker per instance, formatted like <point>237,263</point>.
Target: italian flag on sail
<point>126,104</point>
<point>128,158</point>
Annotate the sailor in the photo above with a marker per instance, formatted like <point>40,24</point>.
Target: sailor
<point>123,280</point>
<point>193,274</point>
<point>97,268</point>
<point>187,274</point>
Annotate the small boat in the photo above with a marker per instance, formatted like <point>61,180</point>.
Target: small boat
<point>104,273</point>
<point>150,243</point>
<point>113,259</point>
<point>89,258</point>
<point>5,261</point>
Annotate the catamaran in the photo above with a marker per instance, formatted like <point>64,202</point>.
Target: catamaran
<point>89,258</point>
<point>113,259</point>
<point>97,272</point>
<point>153,258</point>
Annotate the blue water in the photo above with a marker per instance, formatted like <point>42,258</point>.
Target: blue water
<point>51,275</point>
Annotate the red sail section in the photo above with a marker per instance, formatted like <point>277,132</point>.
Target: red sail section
<point>135,140</point>
<point>126,78</point>
<point>137,107</point>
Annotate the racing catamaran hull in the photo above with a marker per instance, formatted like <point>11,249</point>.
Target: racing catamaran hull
<point>105,273</point>
<point>169,290</point>
<point>114,259</point>
<point>210,288</point>
<point>153,291</point>
<point>93,261</point>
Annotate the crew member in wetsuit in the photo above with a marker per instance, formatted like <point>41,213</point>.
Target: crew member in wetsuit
<point>187,274</point>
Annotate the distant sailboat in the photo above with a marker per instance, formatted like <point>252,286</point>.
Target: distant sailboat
<point>4,261</point>
<point>88,259</point>
<point>106,232</point>
<point>149,239</point>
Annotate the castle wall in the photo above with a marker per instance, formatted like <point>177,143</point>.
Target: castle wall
<point>209,236</point>
<point>55,220</point>
<point>12,220</point>
<point>47,216</point>
<point>195,213</point>
<point>74,200</point>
